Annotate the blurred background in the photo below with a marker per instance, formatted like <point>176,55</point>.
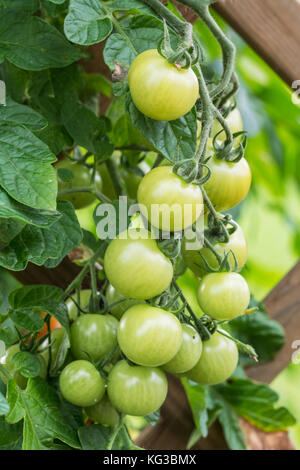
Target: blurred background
<point>270,215</point>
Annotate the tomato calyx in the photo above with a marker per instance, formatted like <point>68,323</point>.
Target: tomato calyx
<point>230,150</point>
<point>187,54</point>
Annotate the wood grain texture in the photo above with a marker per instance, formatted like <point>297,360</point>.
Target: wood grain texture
<point>283,305</point>
<point>271,27</point>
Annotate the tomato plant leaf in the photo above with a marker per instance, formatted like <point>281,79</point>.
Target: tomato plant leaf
<point>134,5</point>
<point>16,407</point>
<point>9,229</point>
<point>8,332</point>
<point>4,406</point>
<point>256,403</point>
<point>197,397</point>
<point>10,436</point>
<point>28,364</point>
<point>87,23</point>
<point>42,407</point>
<point>94,437</point>
<point>233,433</point>
<point>142,32</point>
<point>15,113</point>
<point>44,246</point>
<point>43,299</point>
<point>264,334</point>
<point>170,138</point>
<point>26,173</point>
<point>87,129</point>
<point>27,318</point>
<point>9,208</point>
<point>29,6</point>
<point>32,44</point>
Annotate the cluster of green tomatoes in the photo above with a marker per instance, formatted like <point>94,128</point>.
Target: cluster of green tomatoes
<point>144,338</point>
<point>119,359</point>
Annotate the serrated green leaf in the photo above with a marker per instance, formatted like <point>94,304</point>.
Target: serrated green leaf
<point>10,436</point>
<point>231,427</point>
<point>44,246</point>
<point>197,397</point>
<point>27,318</point>
<point>42,407</point>
<point>41,298</point>
<point>126,5</point>
<point>15,113</point>
<point>87,129</point>
<point>26,173</point>
<point>32,44</point>
<point>9,208</point>
<point>9,229</point>
<point>4,406</point>
<point>264,334</point>
<point>142,32</point>
<point>29,6</point>
<point>16,406</point>
<point>256,403</point>
<point>94,437</point>
<point>28,364</point>
<point>86,22</point>
<point>170,138</point>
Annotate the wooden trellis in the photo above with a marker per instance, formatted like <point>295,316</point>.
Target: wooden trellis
<point>272,28</point>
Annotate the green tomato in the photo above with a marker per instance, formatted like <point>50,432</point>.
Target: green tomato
<point>189,352</point>
<point>85,295</point>
<point>136,390</point>
<point>82,177</point>
<point>149,336</point>
<point>167,201</point>
<point>234,121</point>
<point>136,267</point>
<point>217,362</point>
<point>93,336</point>
<point>223,296</point>
<point>112,296</point>
<point>228,184</point>
<point>104,413</point>
<point>7,362</point>
<point>194,258</point>
<point>81,384</point>
<point>57,336</point>
<point>161,90</point>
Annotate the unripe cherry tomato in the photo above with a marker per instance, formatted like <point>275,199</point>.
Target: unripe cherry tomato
<point>228,184</point>
<point>217,362</point>
<point>112,296</point>
<point>194,258</point>
<point>223,296</point>
<point>167,201</point>
<point>81,178</point>
<point>161,90</point>
<point>136,267</point>
<point>136,390</point>
<point>188,354</point>
<point>93,336</point>
<point>149,336</point>
<point>85,295</point>
<point>81,384</point>
<point>103,413</point>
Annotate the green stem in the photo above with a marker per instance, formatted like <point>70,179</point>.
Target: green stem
<point>246,348</point>
<point>117,27</point>
<point>158,161</point>
<point>94,286</point>
<point>78,279</point>
<point>203,330</point>
<point>115,177</point>
<point>215,214</point>
<point>84,189</point>
<point>114,434</point>
<point>228,48</point>
<point>183,28</point>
